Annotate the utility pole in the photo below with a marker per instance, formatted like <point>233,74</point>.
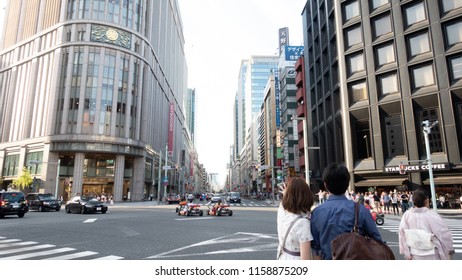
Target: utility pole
<point>165,174</point>
<point>427,129</point>
<point>159,179</point>
<point>273,178</point>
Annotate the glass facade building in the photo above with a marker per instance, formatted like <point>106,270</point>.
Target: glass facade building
<point>96,86</point>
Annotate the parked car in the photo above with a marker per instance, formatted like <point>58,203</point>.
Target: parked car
<point>234,197</point>
<point>13,203</point>
<point>217,197</point>
<point>85,204</point>
<point>42,202</point>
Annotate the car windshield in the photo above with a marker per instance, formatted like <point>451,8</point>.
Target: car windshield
<point>13,197</point>
<point>235,194</point>
<point>47,196</point>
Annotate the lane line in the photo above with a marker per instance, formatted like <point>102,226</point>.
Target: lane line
<point>37,254</point>
<point>73,256</point>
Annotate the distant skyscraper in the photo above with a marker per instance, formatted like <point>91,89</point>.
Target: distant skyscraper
<point>190,112</point>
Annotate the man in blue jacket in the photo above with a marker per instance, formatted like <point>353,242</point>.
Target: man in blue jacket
<point>337,214</point>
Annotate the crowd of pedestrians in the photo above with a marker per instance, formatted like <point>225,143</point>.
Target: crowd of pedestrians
<point>307,233</point>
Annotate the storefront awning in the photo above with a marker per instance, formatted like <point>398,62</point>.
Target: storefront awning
<point>445,180</point>
<point>380,182</point>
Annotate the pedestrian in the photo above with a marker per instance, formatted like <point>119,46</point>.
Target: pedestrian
<point>337,214</point>
<point>423,234</point>
<point>293,227</point>
<point>360,198</point>
<point>404,202</point>
<point>376,199</point>
<point>394,203</point>
<point>386,202</point>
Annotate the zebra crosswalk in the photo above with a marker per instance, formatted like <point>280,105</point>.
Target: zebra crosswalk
<point>16,249</point>
<point>454,225</point>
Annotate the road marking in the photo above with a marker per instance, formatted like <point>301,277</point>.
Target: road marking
<point>37,254</point>
<point>192,219</point>
<point>270,245</point>
<point>18,250</point>
<point>9,240</point>
<point>18,244</point>
<point>110,258</point>
<point>73,256</point>
<point>90,220</point>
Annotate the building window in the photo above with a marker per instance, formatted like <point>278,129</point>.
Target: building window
<point>11,165</point>
<point>36,156</point>
<point>449,5</point>
<point>415,13</point>
<point>385,54</point>
<point>455,64</point>
<point>423,76</point>
<point>436,145</point>
<point>353,37</point>
<point>357,91</point>
<point>381,26</point>
<point>378,3</point>
<point>355,63</point>
<point>453,33</point>
<point>418,44</point>
<point>362,139</point>
<point>458,118</point>
<point>393,136</point>
<point>351,10</point>
<point>388,84</point>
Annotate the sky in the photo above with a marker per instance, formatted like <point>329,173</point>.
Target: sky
<point>219,34</point>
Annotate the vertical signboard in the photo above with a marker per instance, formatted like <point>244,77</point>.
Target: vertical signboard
<point>283,38</point>
<point>277,97</point>
<point>171,122</point>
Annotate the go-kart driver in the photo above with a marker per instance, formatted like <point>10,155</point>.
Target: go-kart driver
<point>216,206</point>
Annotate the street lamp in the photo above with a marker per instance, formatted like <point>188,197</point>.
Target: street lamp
<point>305,145</point>
<point>427,129</point>
<point>57,171</point>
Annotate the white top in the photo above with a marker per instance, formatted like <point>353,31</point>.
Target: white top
<point>300,232</point>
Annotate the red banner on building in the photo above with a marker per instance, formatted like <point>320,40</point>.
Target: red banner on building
<point>171,123</point>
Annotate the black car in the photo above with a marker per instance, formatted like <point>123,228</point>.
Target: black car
<point>234,197</point>
<point>13,203</point>
<point>42,202</point>
<point>85,204</point>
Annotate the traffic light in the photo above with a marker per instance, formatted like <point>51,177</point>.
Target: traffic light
<point>402,169</point>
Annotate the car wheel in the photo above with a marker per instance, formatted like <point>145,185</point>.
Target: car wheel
<point>21,215</point>
<point>379,221</point>
<point>40,209</point>
<point>219,212</point>
<point>68,210</point>
<point>201,213</point>
<point>2,216</point>
<point>103,211</point>
<point>57,209</point>
<point>82,210</point>
<point>230,213</point>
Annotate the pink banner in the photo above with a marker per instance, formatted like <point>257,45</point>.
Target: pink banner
<point>171,123</point>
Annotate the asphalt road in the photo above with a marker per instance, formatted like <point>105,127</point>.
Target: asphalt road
<point>143,232</point>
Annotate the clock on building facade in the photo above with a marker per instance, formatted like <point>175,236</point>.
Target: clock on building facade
<point>105,34</point>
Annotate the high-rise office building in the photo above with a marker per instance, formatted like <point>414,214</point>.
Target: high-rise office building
<point>96,86</point>
<point>375,71</point>
<point>190,107</point>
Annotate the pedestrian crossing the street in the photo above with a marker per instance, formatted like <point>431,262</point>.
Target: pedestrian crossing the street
<point>16,249</point>
<point>454,225</point>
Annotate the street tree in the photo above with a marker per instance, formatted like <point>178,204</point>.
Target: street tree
<point>25,180</point>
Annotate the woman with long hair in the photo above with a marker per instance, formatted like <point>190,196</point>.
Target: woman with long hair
<point>293,226</point>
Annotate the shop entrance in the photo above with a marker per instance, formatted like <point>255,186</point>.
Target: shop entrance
<point>98,186</point>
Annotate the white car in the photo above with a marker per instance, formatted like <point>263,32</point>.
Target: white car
<point>215,199</point>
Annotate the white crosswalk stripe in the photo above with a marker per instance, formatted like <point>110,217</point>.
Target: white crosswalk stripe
<point>454,226</point>
<point>16,249</point>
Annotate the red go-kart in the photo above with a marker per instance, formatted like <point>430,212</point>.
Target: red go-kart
<point>220,210</point>
<point>191,209</point>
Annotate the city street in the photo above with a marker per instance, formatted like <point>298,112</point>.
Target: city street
<point>144,231</point>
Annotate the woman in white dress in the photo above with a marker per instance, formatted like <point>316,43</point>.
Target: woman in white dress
<point>293,226</point>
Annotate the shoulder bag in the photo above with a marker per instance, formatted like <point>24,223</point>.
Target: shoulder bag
<point>354,246</point>
<point>282,248</point>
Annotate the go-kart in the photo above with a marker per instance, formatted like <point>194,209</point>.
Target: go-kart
<point>180,206</point>
<point>191,209</point>
<point>219,210</point>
